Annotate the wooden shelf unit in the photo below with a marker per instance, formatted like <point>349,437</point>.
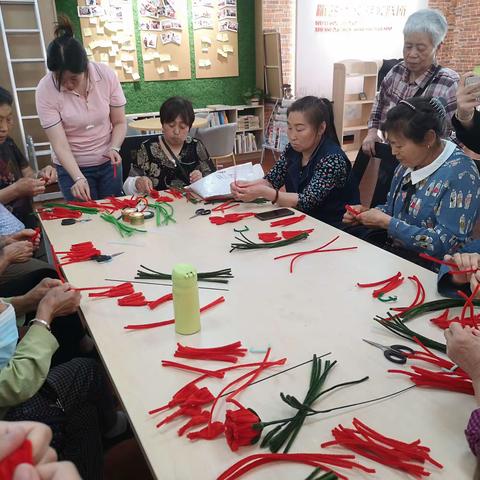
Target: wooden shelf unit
<point>232,113</point>
<point>350,78</point>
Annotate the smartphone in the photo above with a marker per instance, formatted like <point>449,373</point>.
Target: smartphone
<point>272,214</point>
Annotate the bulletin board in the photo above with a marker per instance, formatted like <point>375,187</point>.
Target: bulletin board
<point>165,39</point>
<point>215,27</point>
<point>109,35</point>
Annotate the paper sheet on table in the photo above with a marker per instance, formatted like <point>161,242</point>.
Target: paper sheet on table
<point>217,184</point>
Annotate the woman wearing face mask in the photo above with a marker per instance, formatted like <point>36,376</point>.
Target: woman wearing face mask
<point>433,200</point>
<point>174,159</point>
<point>81,106</point>
<point>313,168</point>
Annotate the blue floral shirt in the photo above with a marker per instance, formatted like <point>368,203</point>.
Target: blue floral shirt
<point>435,214</point>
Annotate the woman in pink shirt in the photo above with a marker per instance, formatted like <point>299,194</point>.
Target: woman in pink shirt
<point>81,106</point>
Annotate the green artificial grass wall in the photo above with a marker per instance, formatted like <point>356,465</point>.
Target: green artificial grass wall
<point>147,96</point>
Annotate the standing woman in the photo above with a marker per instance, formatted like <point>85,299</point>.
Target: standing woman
<point>81,106</point>
<point>313,168</point>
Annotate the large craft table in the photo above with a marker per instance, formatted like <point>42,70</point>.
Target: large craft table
<point>317,309</point>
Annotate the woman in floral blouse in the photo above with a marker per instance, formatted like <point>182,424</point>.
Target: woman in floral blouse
<point>433,200</point>
<point>313,168</point>
<point>172,160</point>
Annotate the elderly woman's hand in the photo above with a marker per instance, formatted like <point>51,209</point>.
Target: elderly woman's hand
<point>374,218</point>
<point>463,348</point>
<point>464,261</point>
<point>468,97</point>
<point>350,218</point>
<point>248,191</point>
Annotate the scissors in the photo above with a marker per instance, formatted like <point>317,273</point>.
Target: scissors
<point>394,353</point>
<point>201,211</point>
<point>105,258</point>
<point>72,221</point>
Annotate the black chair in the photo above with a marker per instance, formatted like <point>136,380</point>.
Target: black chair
<point>129,149</point>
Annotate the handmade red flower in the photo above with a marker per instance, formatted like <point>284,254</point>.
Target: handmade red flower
<point>239,428</point>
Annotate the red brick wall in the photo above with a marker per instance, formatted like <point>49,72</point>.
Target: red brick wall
<point>462,46</point>
<point>279,15</point>
<point>461,50</point>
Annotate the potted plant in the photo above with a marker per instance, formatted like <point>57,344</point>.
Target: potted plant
<point>253,96</point>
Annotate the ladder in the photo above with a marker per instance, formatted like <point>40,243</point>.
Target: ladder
<point>32,150</point>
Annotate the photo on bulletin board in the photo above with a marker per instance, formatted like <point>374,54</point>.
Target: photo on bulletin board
<point>165,39</point>
<point>215,27</point>
<point>109,36</point>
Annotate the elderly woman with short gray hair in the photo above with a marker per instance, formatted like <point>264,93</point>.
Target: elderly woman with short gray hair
<point>418,74</point>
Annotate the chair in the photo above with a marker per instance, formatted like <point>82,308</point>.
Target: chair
<point>219,141</point>
<point>128,151</point>
<point>193,131</point>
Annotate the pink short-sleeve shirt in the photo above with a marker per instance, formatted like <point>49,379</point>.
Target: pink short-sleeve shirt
<point>86,121</point>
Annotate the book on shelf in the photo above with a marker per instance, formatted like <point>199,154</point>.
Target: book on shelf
<point>248,122</point>
<point>245,143</point>
<point>218,118</point>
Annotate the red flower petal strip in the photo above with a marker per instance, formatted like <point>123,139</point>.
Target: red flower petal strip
<point>287,234</point>
<point>155,303</point>
<point>226,353</point>
<point>425,256</point>
<point>194,421</point>
<point>285,222</point>
<point>23,454</point>
<point>380,282</point>
<point>419,297</point>
<point>269,237</point>
<point>392,285</point>
<point>324,461</point>
<point>145,326</point>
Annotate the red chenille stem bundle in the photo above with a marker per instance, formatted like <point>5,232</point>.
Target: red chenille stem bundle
<point>285,222</point>
<point>230,218</point>
<point>419,297</point>
<point>226,353</point>
<point>361,439</point>
<point>117,291</point>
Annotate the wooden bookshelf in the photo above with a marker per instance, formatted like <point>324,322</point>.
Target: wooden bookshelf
<point>350,78</point>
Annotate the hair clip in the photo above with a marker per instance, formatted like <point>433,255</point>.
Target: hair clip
<point>408,104</point>
<point>438,106</point>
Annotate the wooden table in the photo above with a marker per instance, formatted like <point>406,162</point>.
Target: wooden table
<point>153,124</point>
<point>317,309</point>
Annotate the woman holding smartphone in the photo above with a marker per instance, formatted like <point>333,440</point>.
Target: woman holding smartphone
<point>313,168</point>
<point>466,120</point>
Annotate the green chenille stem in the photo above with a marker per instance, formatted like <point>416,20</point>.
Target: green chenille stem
<point>91,210</point>
<point>163,213</point>
<point>397,326</point>
<point>123,229</point>
<point>324,476</point>
<point>247,244</point>
<point>434,306</point>
<point>219,276</point>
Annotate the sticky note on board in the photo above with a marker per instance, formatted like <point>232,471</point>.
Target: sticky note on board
<point>205,50</point>
<point>222,53</point>
<point>228,48</point>
<point>93,45</point>
<point>118,63</point>
<point>165,57</point>
<point>93,20</point>
<point>104,57</point>
<point>204,63</point>
<point>135,76</point>
<point>88,51</point>
<point>104,43</point>
<point>87,32</point>
<point>126,57</point>
<point>156,55</point>
<point>147,57</point>
<point>222,37</point>
<point>206,40</point>
<point>128,48</point>
<point>173,68</point>
<point>100,30</point>
<point>160,70</point>
<point>112,53</point>
<point>110,28</point>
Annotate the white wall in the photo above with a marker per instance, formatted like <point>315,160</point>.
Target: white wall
<point>358,29</point>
